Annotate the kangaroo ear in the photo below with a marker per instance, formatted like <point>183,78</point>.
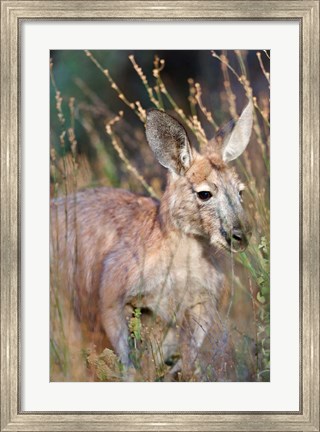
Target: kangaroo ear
<point>169,141</point>
<point>236,140</point>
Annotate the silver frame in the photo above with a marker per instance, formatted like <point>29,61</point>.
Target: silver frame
<point>307,14</point>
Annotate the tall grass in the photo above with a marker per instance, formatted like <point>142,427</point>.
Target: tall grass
<point>238,346</point>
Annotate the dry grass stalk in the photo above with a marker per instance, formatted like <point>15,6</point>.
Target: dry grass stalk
<point>264,114</point>
<point>244,81</point>
<point>121,95</point>
<point>122,156</point>
<point>57,96</point>
<point>205,111</point>
<point>265,73</point>
<point>158,65</point>
<point>198,132</point>
<point>144,80</point>
<point>227,85</point>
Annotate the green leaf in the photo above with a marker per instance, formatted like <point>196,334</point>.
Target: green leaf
<point>260,298</point>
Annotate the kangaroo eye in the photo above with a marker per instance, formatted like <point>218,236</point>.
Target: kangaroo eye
<point>240,193</point>
<point>204,195</point>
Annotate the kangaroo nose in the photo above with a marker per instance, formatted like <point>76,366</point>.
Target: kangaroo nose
<point>237,235</point>
<point>240,239</point>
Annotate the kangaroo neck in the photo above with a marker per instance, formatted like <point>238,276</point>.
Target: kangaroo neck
<point>167,224</point>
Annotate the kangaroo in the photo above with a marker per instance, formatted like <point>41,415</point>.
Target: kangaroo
<point>119,248</point>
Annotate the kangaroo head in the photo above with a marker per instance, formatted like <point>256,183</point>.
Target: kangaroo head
<point>204,194</point>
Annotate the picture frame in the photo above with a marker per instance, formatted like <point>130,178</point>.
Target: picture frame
<point>12,14</point>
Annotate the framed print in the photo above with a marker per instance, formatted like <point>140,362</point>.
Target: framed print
<point>159,215</point>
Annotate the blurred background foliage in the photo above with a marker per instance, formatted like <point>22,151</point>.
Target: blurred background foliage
<point>96,102</point>
<point>97,107</point>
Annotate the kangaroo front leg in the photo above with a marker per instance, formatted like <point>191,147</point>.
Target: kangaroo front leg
<point>115,326</point>
<point>113,305</point>
<point>197,323</point>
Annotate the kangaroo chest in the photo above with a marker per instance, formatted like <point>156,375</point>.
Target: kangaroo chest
<point>176,278</point>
